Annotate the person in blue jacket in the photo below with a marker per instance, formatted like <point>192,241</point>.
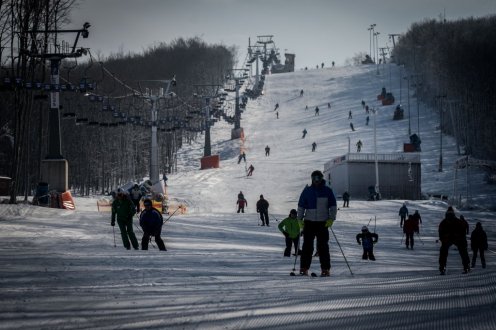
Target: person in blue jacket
<point>317,211</point>
<point>151,222</point>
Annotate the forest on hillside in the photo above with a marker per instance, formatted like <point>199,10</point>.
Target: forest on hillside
<point>453,68</point>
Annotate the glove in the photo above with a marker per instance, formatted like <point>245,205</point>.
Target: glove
<point>329,223</point>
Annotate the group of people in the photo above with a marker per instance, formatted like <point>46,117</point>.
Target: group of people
<point>315,215</point>
<point>124,207</point>
<point>262,207</point>
<point>452,230</point>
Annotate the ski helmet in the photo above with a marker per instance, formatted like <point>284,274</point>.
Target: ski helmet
<point>364,228</point>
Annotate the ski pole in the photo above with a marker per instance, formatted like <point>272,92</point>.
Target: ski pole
<point>347,264</point>
<point>420,238</point>
<point>401,243</point>
<point>170,216</point>
<point>113,229</point>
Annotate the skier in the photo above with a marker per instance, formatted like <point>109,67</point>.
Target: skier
<point>317,211</point>
<point>417,220</point>
<point>349,115</point>
<point>151,221</point>
<point>250,170</point>
<point>277,107</point>
<point>367,109</point>
<point>363,104</point>
<point>306,107</point>
<point>317,111</point>
<point>332,63</point>
<point>241,202</point>
<point>352,128</point>
<point>478,243</point>
<point>367,121</point>
<point>367,240</point>
<point>301,92</point>
<point>346,199</point>
<point>267,151</point>
<point>403,213</point>
<point>328,105</point>
<point>291,231</point>
<point>409,230</point>
<point>359,145</point>
<point>304,133</point>
<point>452,231</point>
<point>314,146</point>
<point>135,194</point>
<point>123,208</point>
<point>242,156</point>
<point>277,115</point>
<point>263,209</point>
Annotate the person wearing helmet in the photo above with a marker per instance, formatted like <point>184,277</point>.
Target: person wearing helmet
<point>317,211</point>
<point>290,228</point>
<point>367,240</point>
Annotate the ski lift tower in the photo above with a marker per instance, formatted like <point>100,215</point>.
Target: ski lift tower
<point>54,168</point>
<point>208,92</point>
<point>157,185</point>
<point>265,40</point>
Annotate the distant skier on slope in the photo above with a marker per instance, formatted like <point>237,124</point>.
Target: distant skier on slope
<point>250,170</point>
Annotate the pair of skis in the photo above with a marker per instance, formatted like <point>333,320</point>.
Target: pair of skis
<point>311,275</point>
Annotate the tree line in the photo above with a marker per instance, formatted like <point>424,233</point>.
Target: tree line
<point>453,68</point>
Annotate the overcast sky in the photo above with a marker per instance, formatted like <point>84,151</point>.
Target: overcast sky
<point>315,30</point>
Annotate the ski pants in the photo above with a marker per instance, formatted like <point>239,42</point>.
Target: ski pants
<point>127,233</point>
<point>312,230</point>
<point>409,239</point>
<point>158,240</point>
<point>264,216</point>
<point>241,209</point>
<point>462,249</point>
<point>289,243</point>
<point>368,253</point>
<point>482,257</point>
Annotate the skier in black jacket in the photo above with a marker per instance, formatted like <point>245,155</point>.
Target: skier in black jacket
<point>151,222</point>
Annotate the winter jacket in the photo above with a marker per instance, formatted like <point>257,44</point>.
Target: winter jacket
<point>417,221</point>
<point>151,221</point>
<point>346,196</point>
<point>290,226</point>
<point>123,209</point>
<point>452,230</point>
<point>367,239</point>
<point>403,211</point>
<point>410,226</point>
<point>242,202</point>
<point>317,203</point>
<point>478,239</point>
<point>262,205</point>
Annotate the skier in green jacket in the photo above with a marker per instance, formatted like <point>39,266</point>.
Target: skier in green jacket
<point>124,209</point>
<point>290,227</point>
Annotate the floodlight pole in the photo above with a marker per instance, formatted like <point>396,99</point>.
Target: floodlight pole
<point>374,111</point>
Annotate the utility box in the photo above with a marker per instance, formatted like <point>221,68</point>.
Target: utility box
<point>399,175</point>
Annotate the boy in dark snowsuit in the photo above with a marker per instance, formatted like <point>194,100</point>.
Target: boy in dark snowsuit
<point>151,222</point>
<point>478,243</point>
<point>290,228</point>
<point>367,240</point>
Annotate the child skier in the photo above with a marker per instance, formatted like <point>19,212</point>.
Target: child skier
<point>290,228</point>
<point>368,240</point>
